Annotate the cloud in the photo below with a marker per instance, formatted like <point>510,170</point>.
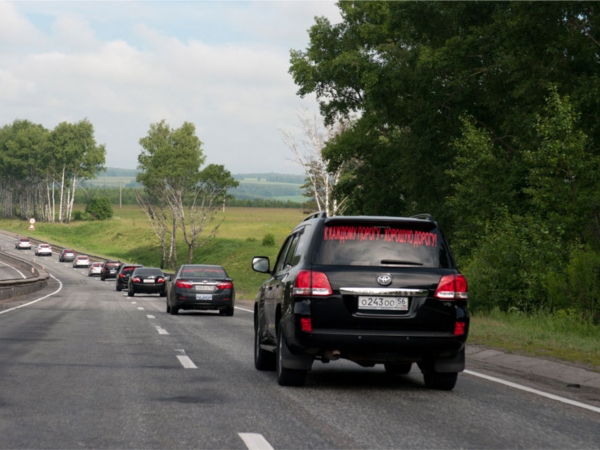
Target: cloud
<point>236,89</point>
<point>16,32</point>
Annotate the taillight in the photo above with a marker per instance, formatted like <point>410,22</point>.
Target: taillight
<point>309,282</point>
<point>459,328</point>
<point>121,275</point>
<point>160,280</point>
<point>306,324</point>
<point>225,285</point>
<point>136,280</point>
<point>184,284</point>
<point>452,287</point>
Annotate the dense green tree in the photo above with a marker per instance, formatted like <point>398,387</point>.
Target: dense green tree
<point>413,69</point>
<point>100,208</point>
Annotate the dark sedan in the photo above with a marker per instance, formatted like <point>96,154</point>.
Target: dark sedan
<point>147,280</point>
<point>201,287</point>
<point>123,275</point>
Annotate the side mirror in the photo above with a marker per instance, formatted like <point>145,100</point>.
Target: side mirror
<point>167,277</point>
<point>261,264</point>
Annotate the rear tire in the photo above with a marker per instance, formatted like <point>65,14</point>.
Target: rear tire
<point>397,368</point>
<point>130,293</point>
<point>174,311</point>
<point>168,309</point>
<point>263,359</point>
<point>287,377</point>
<point>440,381</point>
<point>119,288</point>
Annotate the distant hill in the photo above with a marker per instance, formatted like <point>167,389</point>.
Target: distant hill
<point>272,177</point>
<point>268,186</point>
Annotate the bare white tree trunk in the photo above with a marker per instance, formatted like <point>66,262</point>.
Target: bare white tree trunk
<point>61,211</point>
<point>70,207</point>
<point>308,152</point>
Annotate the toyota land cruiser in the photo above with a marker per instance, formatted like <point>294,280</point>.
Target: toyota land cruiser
<point>372,290</point>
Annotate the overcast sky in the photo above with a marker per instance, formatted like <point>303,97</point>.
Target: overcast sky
<point>222,65</point>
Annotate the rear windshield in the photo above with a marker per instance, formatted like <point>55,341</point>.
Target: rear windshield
<point>149,272</point>
<point>396,245</point>
<point>128,269</point>
<point>203,272</point>
<point>113,264</point>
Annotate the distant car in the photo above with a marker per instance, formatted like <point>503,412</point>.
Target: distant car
<point>201,287</point>
<point>123,275</point>
<point>95,269</point>
<point>43,250</point>
<point>67,255</point>
<point>110,269</point>
<point>147,280</point>
<point>81,261</point>
<point>23,244</point>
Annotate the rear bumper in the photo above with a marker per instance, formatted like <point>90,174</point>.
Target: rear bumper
<point>190,302</point>
<point>371,346</point>
<point>148,289</point>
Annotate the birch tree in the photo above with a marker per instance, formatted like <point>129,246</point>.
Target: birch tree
<point>308,152</point>
<point>170,162</point>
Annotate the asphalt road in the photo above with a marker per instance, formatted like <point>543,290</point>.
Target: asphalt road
<point>89,367</point>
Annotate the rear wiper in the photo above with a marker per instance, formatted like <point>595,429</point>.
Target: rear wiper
<point>396,261</point>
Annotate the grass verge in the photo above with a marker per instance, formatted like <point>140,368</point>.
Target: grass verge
<point>557,336</point>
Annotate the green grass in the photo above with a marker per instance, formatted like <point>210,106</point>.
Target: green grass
<point>129,237</point>
<point>541,334</point>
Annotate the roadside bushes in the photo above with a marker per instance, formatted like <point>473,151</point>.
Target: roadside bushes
<point>100,208</point>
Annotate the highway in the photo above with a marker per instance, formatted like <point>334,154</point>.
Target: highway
<point>89,367</point>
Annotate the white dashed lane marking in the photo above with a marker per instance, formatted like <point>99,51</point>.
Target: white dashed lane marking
<point>255,441</point>
<point>150,317</point>
<point>140,308</point>
<point>185,361</point>
<point>161,330</point>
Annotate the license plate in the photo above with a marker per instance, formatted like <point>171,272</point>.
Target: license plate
<point>203,297</point>
<point>204,288</point>
<point>387,303</point>
<point>148,281</point>
<point>113,271</point>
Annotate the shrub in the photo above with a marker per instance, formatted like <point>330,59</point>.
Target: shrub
<point>100,208</point>
<point>268,240</point>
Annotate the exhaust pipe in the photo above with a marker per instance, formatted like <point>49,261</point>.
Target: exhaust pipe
<point>332,355</point>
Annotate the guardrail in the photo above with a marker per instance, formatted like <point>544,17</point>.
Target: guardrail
<point>14,287</point>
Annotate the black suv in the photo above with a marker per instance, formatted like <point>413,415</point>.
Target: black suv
<point>373,290</point>
<point>110,269</point>
<point>123,275</point>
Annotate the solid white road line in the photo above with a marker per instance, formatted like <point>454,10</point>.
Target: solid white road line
<point>255,441</point>
<point>14,268</point>
<point>535,391</point>
<point>243,309</point>
<point>39,299</point>
<point>161,330</point>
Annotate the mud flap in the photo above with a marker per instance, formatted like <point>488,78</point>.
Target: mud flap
<point>291,361</point>
<point>446,364</point>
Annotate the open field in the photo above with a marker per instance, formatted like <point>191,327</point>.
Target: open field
<point>128,237</point>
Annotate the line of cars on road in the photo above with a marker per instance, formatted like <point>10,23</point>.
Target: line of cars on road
<point>194,286</point>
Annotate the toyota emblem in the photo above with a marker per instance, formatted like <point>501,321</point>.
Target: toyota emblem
<point>384,280</point>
